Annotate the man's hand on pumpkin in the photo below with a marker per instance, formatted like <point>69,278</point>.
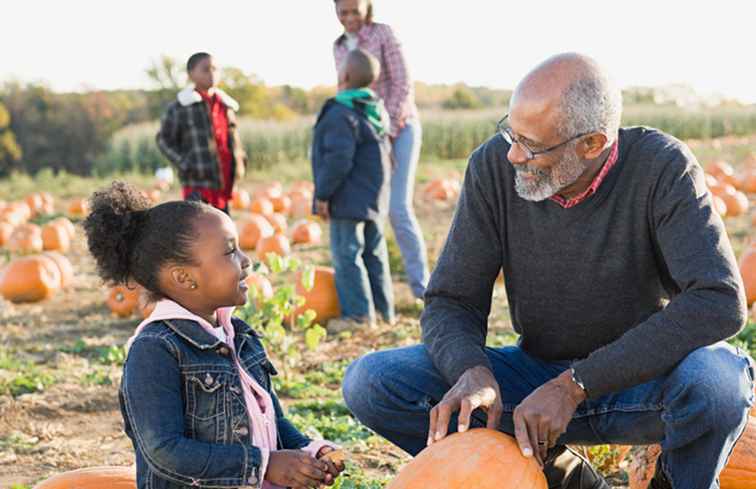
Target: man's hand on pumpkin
<point>543,416</point>
<point>476,388</point>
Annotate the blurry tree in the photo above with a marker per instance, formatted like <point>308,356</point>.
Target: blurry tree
<point>462,98</point>
<point>10,152</point>
<point>168,77</point>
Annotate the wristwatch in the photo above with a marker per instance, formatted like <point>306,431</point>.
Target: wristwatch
<point>576,380</point>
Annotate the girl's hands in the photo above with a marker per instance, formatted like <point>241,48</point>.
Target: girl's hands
<point>335,460</point>
<point>296,469</point>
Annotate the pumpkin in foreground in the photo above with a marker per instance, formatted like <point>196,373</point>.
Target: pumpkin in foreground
<point>739,473</point>
<point>93,478</point>
<point>479,458</point>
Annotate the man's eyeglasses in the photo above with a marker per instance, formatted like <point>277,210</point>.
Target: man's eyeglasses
<point>509,136</point>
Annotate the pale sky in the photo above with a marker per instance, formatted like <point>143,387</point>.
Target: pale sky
<point>77,44</point>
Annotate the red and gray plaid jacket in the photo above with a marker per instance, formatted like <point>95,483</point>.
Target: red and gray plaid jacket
<point>186,139</point>
<point>394,85</point>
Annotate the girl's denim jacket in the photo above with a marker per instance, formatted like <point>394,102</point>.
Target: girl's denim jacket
<point>184,409</point>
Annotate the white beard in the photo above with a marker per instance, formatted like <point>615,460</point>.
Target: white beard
<point>548,182</point>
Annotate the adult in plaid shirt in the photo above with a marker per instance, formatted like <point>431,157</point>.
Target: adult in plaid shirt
<point>198,135</point>
<point>394,86</point>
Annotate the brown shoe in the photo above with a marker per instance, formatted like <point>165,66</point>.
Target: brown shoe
<point>566,469</point>
<point>659,480</point>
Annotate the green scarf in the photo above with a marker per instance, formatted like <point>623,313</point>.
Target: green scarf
<point>369,104</point>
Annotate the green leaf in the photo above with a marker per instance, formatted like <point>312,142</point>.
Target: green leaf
<point>308,278</point>
<point>313,336</point>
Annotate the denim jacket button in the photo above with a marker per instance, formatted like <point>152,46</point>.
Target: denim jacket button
<point>242,431</point>
<point>209,380</point>
<point>223,350</point>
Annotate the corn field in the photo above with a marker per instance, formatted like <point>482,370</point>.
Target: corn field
<point>447,135</point>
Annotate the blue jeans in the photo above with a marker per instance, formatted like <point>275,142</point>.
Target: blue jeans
<point>407,231</point>
<point>363,278</point>
<point>696,412</point>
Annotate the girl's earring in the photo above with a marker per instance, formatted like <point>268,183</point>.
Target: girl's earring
<point>193,286</point>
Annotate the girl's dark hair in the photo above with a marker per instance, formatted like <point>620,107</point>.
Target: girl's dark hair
<point>194,59</point>
<point>369,15</point>
<point>131,241</point>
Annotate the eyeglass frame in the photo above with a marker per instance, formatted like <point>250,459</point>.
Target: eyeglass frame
<point>529,153</point>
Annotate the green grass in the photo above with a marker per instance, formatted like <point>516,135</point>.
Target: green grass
<point>18,376</point>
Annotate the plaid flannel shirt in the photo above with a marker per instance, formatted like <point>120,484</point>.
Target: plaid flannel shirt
<point>186,139</point>
<point>394,85</point>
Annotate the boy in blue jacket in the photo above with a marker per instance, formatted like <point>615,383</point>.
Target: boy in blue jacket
<point>351,165</point>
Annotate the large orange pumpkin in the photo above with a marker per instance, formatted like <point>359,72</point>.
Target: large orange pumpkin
<point>64,266</point>
<point>278,221</point>
<point>26,238</point>
<point>281,204</point>
<point>261,205</point>
<point>748,182</point>
<point>442,189</point>
<point>252,229</point>
<point>48,203</point>
<point>306,232</point>
<point>739,473</point>
<point>67,225</point>
<point>123,301</point>
<point>6,230</point>
<point>30,279</point>
<point>748,272</point>
<point>322,298</point>
<point>737,203</point>
<point>93,478</point>
<point>240,200</point>
<point>723,171</point>
<point>301,205</point>
<point>35,203</point>
<point>271,190</point>
<point>55,237</point>
<point>23,209</point>
<point>78,208</point>
<point>278,244</point>
<point>479,458</point>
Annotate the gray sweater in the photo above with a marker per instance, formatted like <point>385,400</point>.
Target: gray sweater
<point>624,284</point>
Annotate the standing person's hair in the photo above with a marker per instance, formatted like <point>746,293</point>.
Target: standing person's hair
<point>132,241</point>
<point>369,15</point>
<point>194,59</point>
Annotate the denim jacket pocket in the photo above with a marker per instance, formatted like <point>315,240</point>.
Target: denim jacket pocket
<point>207,395</point>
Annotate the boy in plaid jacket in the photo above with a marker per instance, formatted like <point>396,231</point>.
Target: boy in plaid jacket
<point>198,135</point>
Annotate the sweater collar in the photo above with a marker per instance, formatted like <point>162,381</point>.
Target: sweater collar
<point>189,96</point>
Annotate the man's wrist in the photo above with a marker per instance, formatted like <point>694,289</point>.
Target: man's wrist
<point>574,387</point>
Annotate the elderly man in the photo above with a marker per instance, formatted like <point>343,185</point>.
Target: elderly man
<point>621,283</point>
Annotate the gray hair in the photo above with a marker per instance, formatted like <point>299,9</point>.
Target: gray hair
<point>591,104</point>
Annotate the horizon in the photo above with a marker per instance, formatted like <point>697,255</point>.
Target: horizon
<point>657,44</point>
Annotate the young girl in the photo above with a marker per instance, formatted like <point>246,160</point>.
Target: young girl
<point>196,394</point>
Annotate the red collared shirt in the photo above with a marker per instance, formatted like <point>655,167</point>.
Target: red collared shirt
<point>600,176</point>
<point>219,118</point>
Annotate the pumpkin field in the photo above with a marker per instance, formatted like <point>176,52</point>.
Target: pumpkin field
<point>62,332</point>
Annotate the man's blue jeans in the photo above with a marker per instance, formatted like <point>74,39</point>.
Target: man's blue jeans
<point>407,231</point>
<point>697,412</point>
<point>363,277</point>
